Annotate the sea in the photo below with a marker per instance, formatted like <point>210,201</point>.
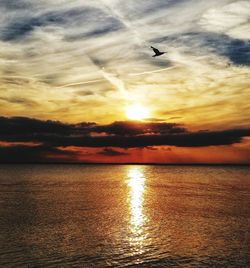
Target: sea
<point>124,216</point>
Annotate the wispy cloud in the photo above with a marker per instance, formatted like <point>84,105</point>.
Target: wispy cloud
<point>231,19</point>
<point>117,83</point>
<point>52,50</point>
<point>82,83</point>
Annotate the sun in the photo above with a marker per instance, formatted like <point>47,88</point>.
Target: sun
<point>137,112</point>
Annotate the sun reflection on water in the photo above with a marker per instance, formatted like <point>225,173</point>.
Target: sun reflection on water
<point>136,183</point>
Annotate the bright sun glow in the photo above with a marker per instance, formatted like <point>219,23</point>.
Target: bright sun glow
<point>137,112</point>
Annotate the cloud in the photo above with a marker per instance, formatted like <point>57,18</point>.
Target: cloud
<point>23,26</point>
<point>207,44</point>
<point>19,100</point>
<point>153,71</point>
<point>23,126</point>
<point>231,19</point>
<point>16,5</point>
<point>116,82</point>
<point>82,83</point>
<point>34,154</point>
<point>117,134</point>
<point>237,51</point>
<point>199,139</point>
<point>112,152</point>
<point>130,128</point>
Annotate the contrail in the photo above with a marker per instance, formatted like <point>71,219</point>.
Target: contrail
<point>154,71</point>
<point>123,19</point>
<point>62,86</point>
<point>117,82</point>
<point>82,83</point>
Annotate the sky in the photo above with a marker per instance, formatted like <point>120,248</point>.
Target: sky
<point>71,73</point>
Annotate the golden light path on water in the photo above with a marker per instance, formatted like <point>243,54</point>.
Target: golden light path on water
<point>136,183</point>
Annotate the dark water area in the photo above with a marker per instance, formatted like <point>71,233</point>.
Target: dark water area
<point>124,216</point>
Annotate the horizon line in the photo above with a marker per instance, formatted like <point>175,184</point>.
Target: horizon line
<point>125,163</point>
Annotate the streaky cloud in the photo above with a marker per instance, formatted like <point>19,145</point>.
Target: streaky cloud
<point>153,71</point>
<point>82,83</point>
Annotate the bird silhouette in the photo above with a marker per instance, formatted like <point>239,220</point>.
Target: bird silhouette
<point>157,52</point>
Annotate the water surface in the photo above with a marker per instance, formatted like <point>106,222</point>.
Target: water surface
<point>124,216</point>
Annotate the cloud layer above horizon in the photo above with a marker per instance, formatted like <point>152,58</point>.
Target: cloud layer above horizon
<point>24,139</point>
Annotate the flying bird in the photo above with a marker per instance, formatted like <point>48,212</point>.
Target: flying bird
<point>157,52</point>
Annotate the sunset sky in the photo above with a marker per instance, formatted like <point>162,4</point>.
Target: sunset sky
<point>74,75</point>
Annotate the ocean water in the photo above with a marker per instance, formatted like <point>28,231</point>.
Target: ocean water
<point>124,216</point>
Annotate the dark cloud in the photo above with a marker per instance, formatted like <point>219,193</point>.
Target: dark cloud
<point>24,26</point>
<point>98,62</point>
<point>29,129</point>
<point>23,125</point>
<point>18,100</point>
<point>15,5</point>
<point>14,81</point>
<point>21,27</point>
<point>23,154</point>
<point>174,117</point>
<point>112,152</point>
<point>53,134</point>
<point>196,139</point>
<point>130,128</point>
<point>85,93</point>
<point>151,119</point>
<point>238,51</point>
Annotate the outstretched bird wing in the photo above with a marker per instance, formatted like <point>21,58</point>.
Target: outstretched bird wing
<point>156,51</point>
